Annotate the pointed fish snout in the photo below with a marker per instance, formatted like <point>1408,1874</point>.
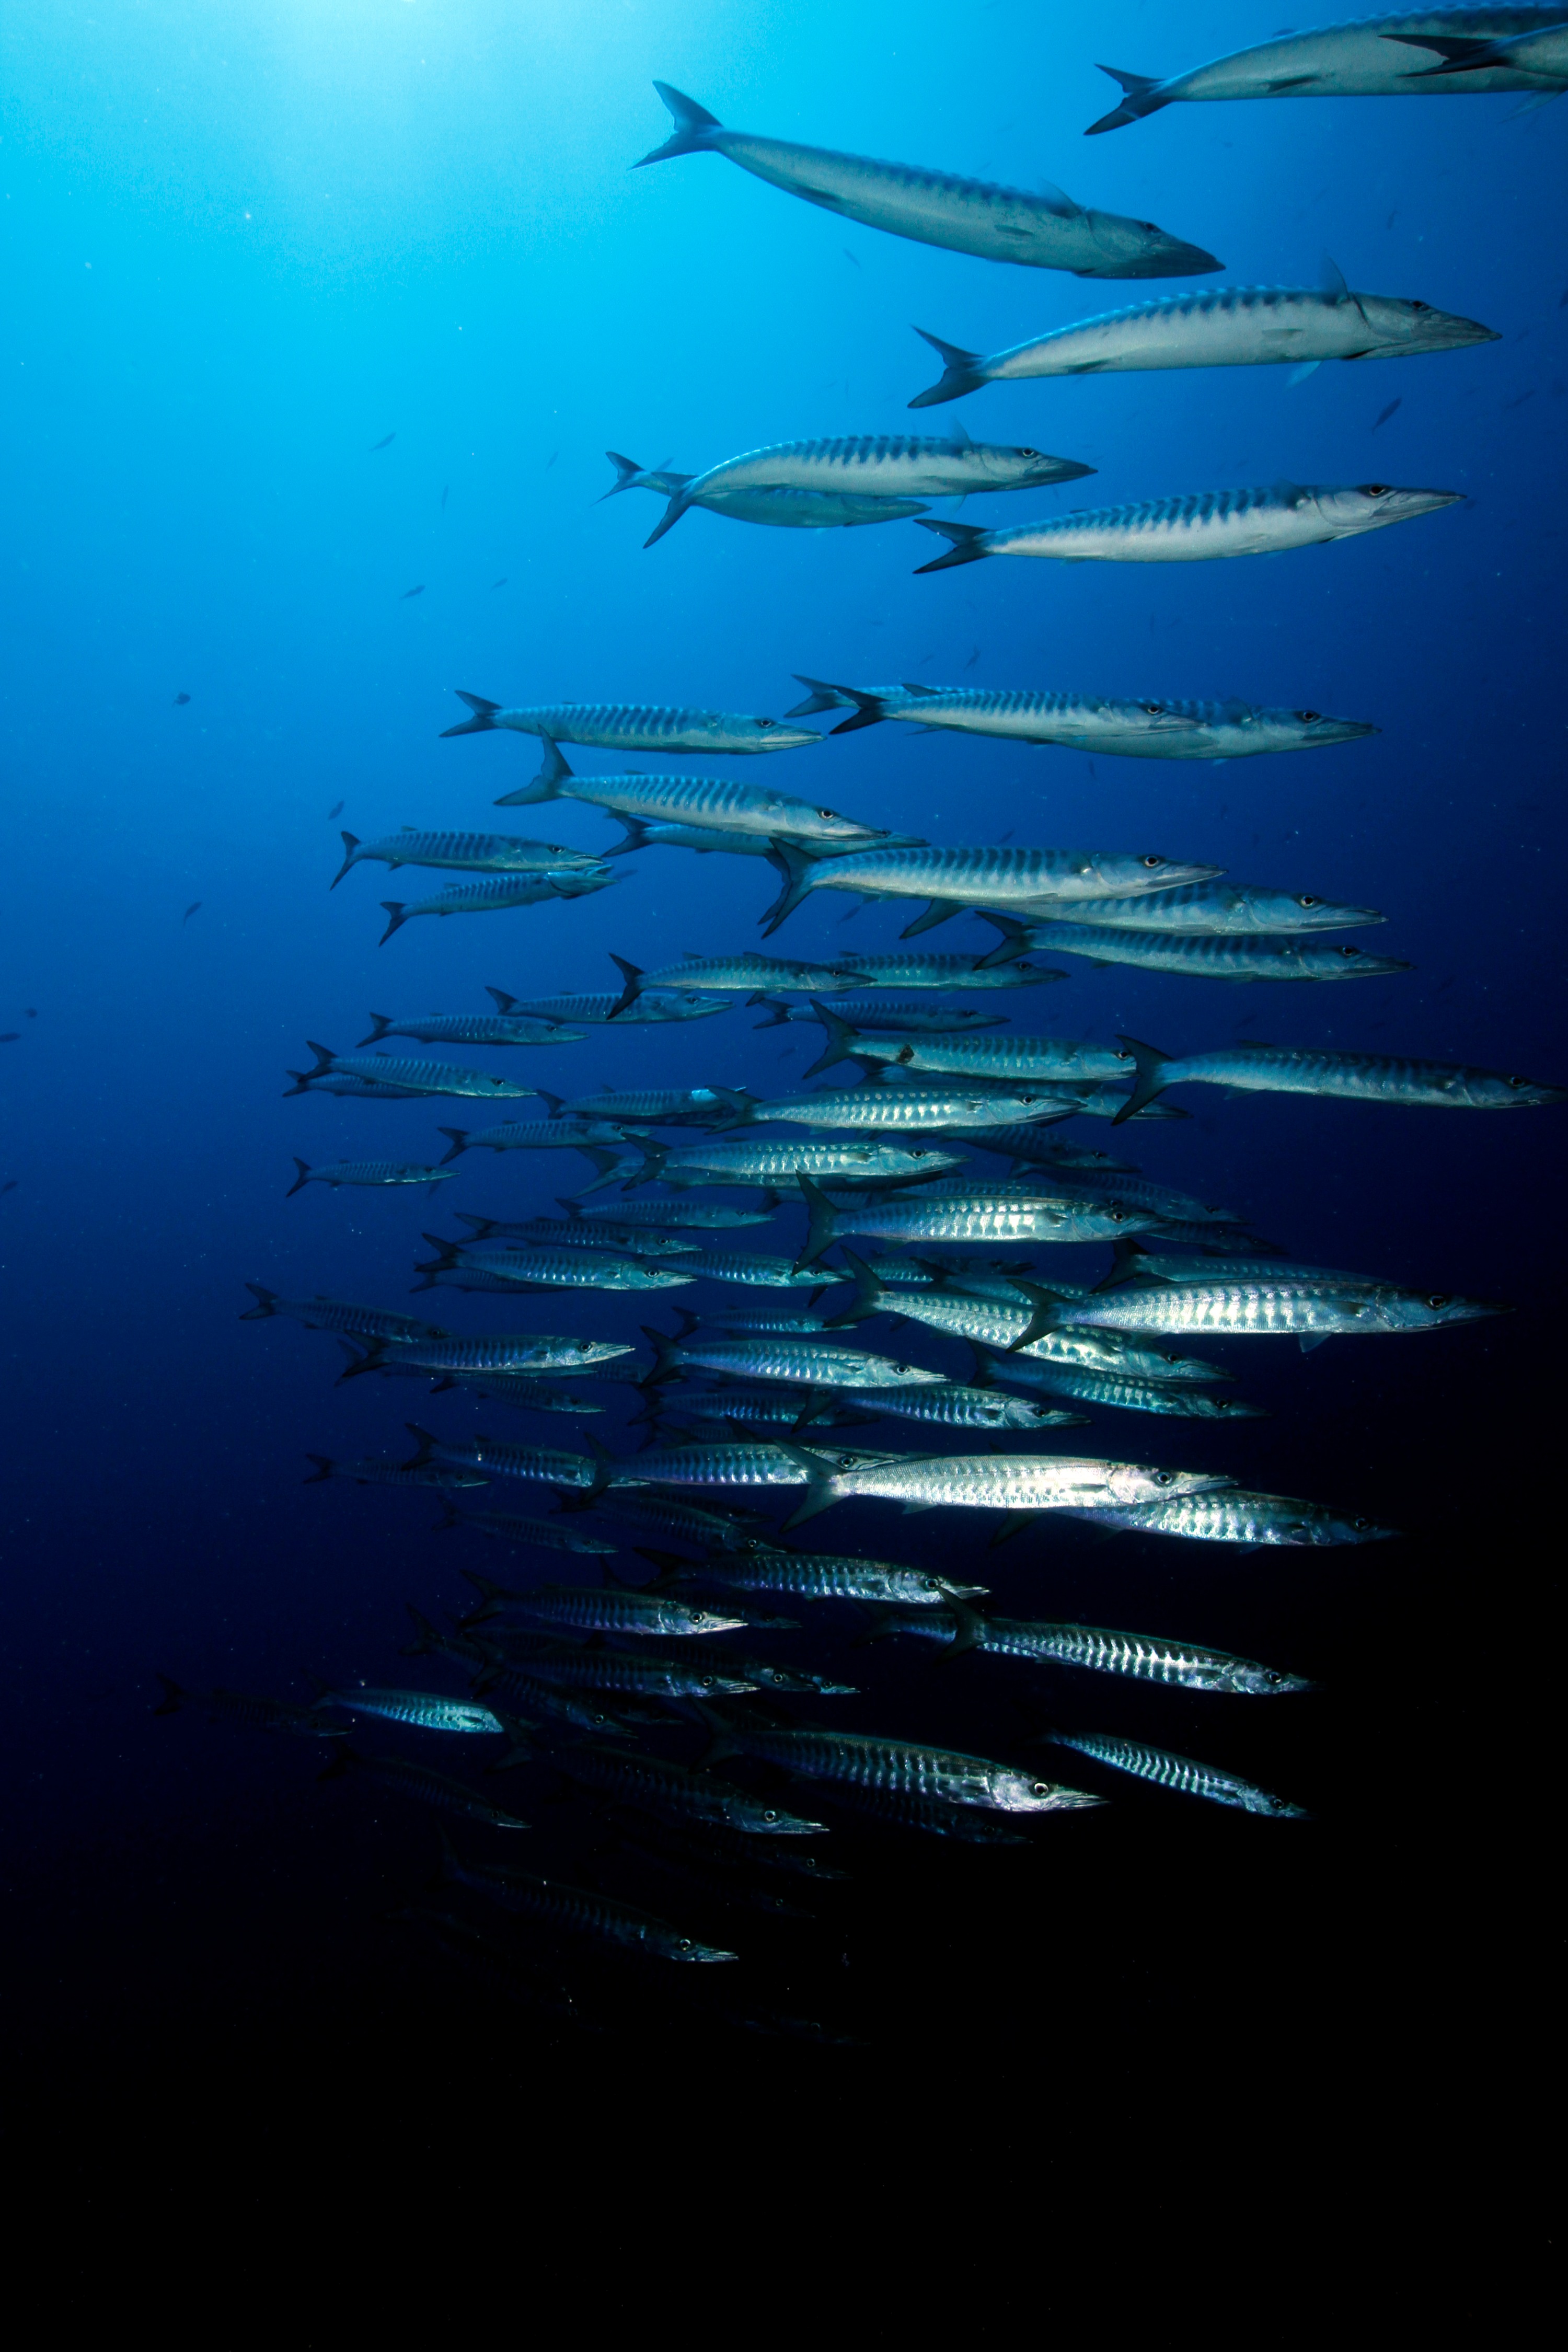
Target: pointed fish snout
<point>1172,260</point>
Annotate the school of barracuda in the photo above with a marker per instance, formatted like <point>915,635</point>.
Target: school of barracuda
<point>678,1707</point>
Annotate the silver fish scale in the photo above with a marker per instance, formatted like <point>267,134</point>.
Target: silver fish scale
<point>1009,1482</point>
<point>1178,1399</point>
<point>734,1462</point>
<point>1171,1771</point>
<point>721,801</point>
<point>922,873</point>
<point>1376,1078</point>
<point>817,1364</point>
<point>825,1576</point>
<point>1247,1308</point>
<point>672,1514</point>
<point>423,1709</point>
<point>1234,1515</point>
<point>1219,955</point>
<point>996,1324</point>
<point>504,851</point>
<point>781,1159</point>
<point>610,724</point>
<point>1146,1657</point>
<point>415,1073</point>
<point>953,1406</point>
<point>896,1765</point>
<point>751,1268</point>
<point>1002,1220</point>
<point>1216,908</point>
<point>572,1269</point>
<point>599,1610</point>
<point>497,1355</point>
<point>548,1464</point>
<point>1045,1058</point>
<point>752,970</point>
<point>507,890</point>
<point>1194,511</point>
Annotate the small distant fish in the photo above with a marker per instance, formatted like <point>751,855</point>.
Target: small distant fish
<point>31,1011</point>
<point>500,582</point>
<point>1004,837</point>
<point>848,256</point>
<point>181,698</point>
<point>10,1184</point>
<point>1385,414</point>
<point>336,810</point>
<point>1520,401</point>
<point>194,908</point>
<point>383,444</point>
<point>412,591</point>
<point>551,460</point>
<point>974,657</point>
<point>1393,215</point>
<point>446,494</point>
<point>1563,300</point>
<point>10,1036</point>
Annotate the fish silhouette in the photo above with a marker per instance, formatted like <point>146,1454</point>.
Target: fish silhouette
<point>181,698</point>
<point>419,591</point>
<point>193,908</point>
<point>383,444</point>
<point>1386,413</point>
<point>336,810</point>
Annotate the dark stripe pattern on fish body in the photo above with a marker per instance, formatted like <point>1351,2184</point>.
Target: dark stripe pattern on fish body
<point>1141,1657</point>
<point>1178,1772</point>
<point>1350,1077</point>
<point>1236,1515</point>
<point>1148,728</point>
<point>900,1766</point>
<point>635,726</point>
<point>507,890</point>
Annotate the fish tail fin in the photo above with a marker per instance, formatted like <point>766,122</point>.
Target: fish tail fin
<point>1151,1066</point>
<point>822,1231</point>
<point>822,696</point>
<point>427,1445</point>
<point>324,1469</point>
<point>370,1358</point>
<point>324,1055</point>
<point>1126,1265</point>
<point>632,978</point>
<point>634,834</point>
<point>822,1489</point>
<point>503,1000</point>
<point>778,1011</point>
<point>1015,941</point>
<point>425,1634</point>
<point>963,371</point>
<point>679,503</point>
<point>303,1179</point>
<point>606,1165</point>
<point>795,863</point>
<point>266,1303</point>
<point>666,1362</point>
<point>968,1626</point>
<point>1137,100</point>
<point>693,125</point>
<point>839,1040</point>
<point>557,1105</point>
<point>395,907</point>
<point>351,857</point>
<point>380,1022</point>
<point>654,1156</point>
<point>940,910</point>
<point>964,548</point>
<point>870,711</point>
<point>173,1697</point>
<point>869,1290</point>
<point>447,1520</point>
<point>553,771</point>
<point>481,716</point>
<point>628,474</point>
<point>459,1138</point>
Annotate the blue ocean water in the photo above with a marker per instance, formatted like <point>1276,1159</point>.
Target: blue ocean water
<point>246,246</point>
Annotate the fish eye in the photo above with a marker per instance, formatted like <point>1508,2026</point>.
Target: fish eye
<point>1350,952</point>
<point>1151,861</point>
<point>1031,453</point>
<point>683,1944</point>
<point>1306,899</point>
<point>1039,1788</point>
<point>764,722</point>
<point>1155,709</point>
<point>1149,226</point>
<point>1421,306</point>
<point>770,1815</point>
<point>1376,490</point>
<point>1359,1524</point>
<point>1436,1299</point>
<point>1272,1677</point>
<point>707,1682</point>
<point>1309,718</point>
<point>1164,1477</point>
<point>1518,1082</point>
<point>825,812</point>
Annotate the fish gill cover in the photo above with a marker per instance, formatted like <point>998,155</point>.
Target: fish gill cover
<point>724,1485</point>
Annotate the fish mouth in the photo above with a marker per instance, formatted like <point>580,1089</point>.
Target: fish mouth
<point>1056,469</point>
<point>784,739</point>
<point>1337,730</point>
<point>1171,259</point>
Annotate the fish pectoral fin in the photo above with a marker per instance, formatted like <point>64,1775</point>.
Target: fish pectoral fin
<point>1307,367</point>
<point>1290,81</point>
<point>1311,1339</point>
<point>829,203</point>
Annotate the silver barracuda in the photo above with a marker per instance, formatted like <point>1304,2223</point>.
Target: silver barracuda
<point>951,1405</point>
<point>493,898</point>
<point>517,1388</point>
<point>338,1314</point>
<point>879,465</point>
<point>1350,1077</point>
<point>634,726</point>
<point>902,1768</point>
<point>653,1006</point>
<point>1018,1484</point>
<point>1375,57</point>
<point>1265,1305</point>
<point>909,969</point>
<point>1141,1657</point>
<point>693,800</point>
<point>577,1232</point>
<point>1238,1516</point>
<point>546,1465</point>
<point>421,1710</point>
<point>1199,909</point>
<point>744,975</point>
<point>733,1406</point>
<point>475,853</point>
<point>896,1017</point>
<point>1131,1190</point>
<point>470,1029</point>
<point>1163,1266</point>
<point>702,840</point>
<point>418,1780</point>
<point>1219,958</point>
<point>417,1075</point>
<point>551,1269</point>
<point>1198,526</point>
<point>1128,728</point>
<point>1008,1063</point>
<point>674,1516</point>
<point>952,879</point>
<point>1030,1332</point>
<point>713,1465</point>
<point>979,1216</point>
<point>533,1135</point>
<point>633,1674</point>
<point>650,1106</point>
<point>616,1609</point>
<point>676,1792</point>
<point>816,1363</point>
<point>581,1911</point>
<point>678,1216</point>
<point>374,1470</point>
<point>527,1534</point>
<point>774,1165</point>
<point>334,1082</point>
<point>749,1269</point>
<point>1029,1147</point>
<point>1042,230</point>
<point>373,1172</point>
<point>903,1109</point>
<point>818,1576</point>
<point>1090,1385</point>
<point>518,1351</point>
<point>1178,1772</point>
<point>781,509</point>
<point>1228,326</point>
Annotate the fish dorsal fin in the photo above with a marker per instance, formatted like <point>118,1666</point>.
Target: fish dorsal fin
<point>924,692</point>
<point>1057,200</point>
<point>958,433</point>
<point>1293,493</point>
<point>1332,279</point>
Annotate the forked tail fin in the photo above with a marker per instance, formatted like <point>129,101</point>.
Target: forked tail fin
<point>823,1230</point>
<point>300,1181</point>
<point>1151,1079</point>
<point>632,986</point>
<point>822,696</point>
<point>693,125</point>
<point>966,548</point>
<point>1137,100</point>
<point>266,1303</point>
<point>396,909</point>
<point>546,785</point>
<point>796,863</point>
<point>870,1291</point>
<point>964,371</point>
<point>351,857</point>
<point>481,717</point>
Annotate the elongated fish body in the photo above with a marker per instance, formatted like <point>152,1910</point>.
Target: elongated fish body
<point>473,853</point>
<point>518,1351</point>
<point>678,1216</point>
<point>546,1465</point>
<point>535,1135</point>
<point>417,1073</point>
<point>1260,1306</point>
<point>332,1082</point>
<point>375,1173</point>
<point>992,1323</point>
<point>693,800</point>
<point>1142,1657</point>
<point>337,1315</point>
<point>544,1535</point>
<point>422,1710</point>
<point>1038,1150</point>
<point>1199,527</point>
<point>677,1794</point>
<point>372,1471</point>
<point>1180,1400</point>
<point>559,1269</point>
<point>507,890</point>
<point>910,1016</point>
<point>471,1029</point>
<point>607,1609</point>
<point>909,969</point>
<point>1044,230</point>
<point>1237,1516</point>
<point>902,1767</point>
<point>702,840</point>
<point>622,1237</point>
<point>1373,57</point>
<point>1218,958</point>
<point>674,1515</point>
<point>1133,1191</point>
<point>899,466</point>
<point>785,509</point>
<point>1179,1772</point>
<point>581,1911</point>
<point>816,1363</point>
<point>1227,326</point>
<point>711,1465</point>
<point>929,1816</point>
<point>524,1395</point>
<point>983,1217</point>
<point>636,726</point>
<point>633,1672</point>
<point>1205,910</point>
<point>751,1270</point>
<point>1015,1483</point>
<point>747,973</point>
<point>1007,1061</point>
<point>418,1780</point>
<point>1350,1077</point>
<point>903,1110</point>
<point>1167,1267</point>
<point>951,1405</point>
<point>655,1006</point>
<point>729,1408</point>
<point>255,1713</point>
<point>830,1576</point>
<point>953,878</point>
<point>649,1106</point>
<point>779,1164</point>
<point>1125,727</point>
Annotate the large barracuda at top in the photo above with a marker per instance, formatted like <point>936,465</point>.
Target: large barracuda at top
<point>633,726</point>
<point>1474,49</point>
<point>1198,528</point>
<point>951,879</point>
<point>1132,728</point>
<point>686,800</point>
<point>1229,326</point>
<point>1256,1068</point>
<point>1043,230</point>
<point>876,464</point>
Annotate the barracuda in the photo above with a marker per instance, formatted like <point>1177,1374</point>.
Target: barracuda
<point>815,1363</point>
<point>580,1231</point>
<point>1224,959</point>
<point>878,465</point>
<point>1179,1772</point>
<point>337,1315</point>
<point>677,1794</point>
<point>772,1165</point>
<point>693,800</point>
<point>784,510</point>
<point>521,1352</point>
<point>372,1172</point>
<point>358,1089</point>
<point>672,1516</point>
<point>1198,526</point>
<point>1127,727</point>
<point>978,1216</point>
<point>751,1269</point>
<point>1003,1061</point>
<point>1179,1400</point>
<point>546,1465</point>
<point>1352,1078</point>
<point>679,1216</point>
<point>1043,230</point>
<point>995,1324</point>
<point>953,1406</point>
<point>634,726</point>
<point>630,1671</point>
<point>728,1407</point>
<point>418,1780</point>
<point>1228,326</point>
<point>475,853</point>
<point>1018,1484</point>
<point>551,1269</point>
<point>1238,1516</point>
<point>1265,1305</point>
<point>372,1471</point>
<point>614,1609</point>
<point>490,897</point>
<point>422,1710</point>
<point>513,1527</point>
<point>716,1465</point>
<point>580,1911</point>
<point>648,1105</point>
<point>417,1075</point>
<point>702,840</point>
<point>470,1029</point>
<point>899,1109</point>
<point>532,1135</point>
<point>744,975</point>
<point>911,970</point>
<point>952,879</point>
<point>865,1013</point>
<point>1200,910</point>
<point>818,1576</point>
<point>1370,58</point>
<point>1142,1657</point>
<point>666,1004</point>
<point>904,1768</point>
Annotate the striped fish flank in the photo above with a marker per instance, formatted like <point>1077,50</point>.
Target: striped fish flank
<point>634,726</point>
<point>1181,1773</point>
<point>1197,527</point>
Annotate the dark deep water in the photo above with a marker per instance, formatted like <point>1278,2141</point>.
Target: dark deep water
<point>243,248</point>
